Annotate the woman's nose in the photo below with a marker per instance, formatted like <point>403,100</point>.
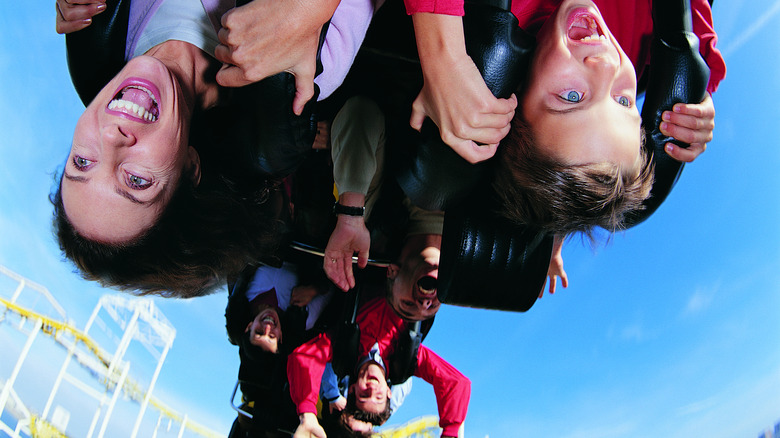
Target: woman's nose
<point>116,135</point>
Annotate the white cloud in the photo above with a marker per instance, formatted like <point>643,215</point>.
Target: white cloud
<point>633,332</point>
<point>699,301</point>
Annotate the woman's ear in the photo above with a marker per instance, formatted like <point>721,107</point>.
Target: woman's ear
<point>193,165</point>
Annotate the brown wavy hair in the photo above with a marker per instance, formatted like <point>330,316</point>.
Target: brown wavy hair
<point>204,236</point>
<point>536,190</point>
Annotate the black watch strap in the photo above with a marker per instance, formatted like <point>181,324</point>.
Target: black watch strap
<point>349,211</point>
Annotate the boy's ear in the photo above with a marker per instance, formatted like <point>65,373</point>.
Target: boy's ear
<point>392,271</point>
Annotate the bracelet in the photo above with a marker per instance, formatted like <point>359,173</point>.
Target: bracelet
<point>349,211</point>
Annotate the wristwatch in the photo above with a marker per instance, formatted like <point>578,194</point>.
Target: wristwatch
<point>349,211</point>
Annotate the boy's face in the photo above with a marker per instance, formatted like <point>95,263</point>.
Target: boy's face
<point>371,391</point>
<point>581,98</point>
<point>265,331</point>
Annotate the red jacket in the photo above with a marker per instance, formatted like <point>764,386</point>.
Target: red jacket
<point>379,324</point>
<point>631,22</point>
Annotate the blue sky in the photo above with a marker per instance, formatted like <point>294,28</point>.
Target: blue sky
<point>671,329</point>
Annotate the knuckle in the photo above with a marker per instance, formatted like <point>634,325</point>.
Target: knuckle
<point>460,129</point>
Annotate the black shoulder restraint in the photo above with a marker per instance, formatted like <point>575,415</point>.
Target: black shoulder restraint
<point>678,74</point>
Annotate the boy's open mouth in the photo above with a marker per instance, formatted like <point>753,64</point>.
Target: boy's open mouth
<point>584,27</point>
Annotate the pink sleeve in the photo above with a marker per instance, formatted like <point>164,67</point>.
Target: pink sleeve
<point>305,366</point>
<point>444,7</point>
<point>452,389</point>
<point>704,29</point>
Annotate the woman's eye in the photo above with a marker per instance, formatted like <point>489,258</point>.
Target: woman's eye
<point>81,162</point>
<point>571,96</point>
<point>137,182</point>
<point>623,100</point>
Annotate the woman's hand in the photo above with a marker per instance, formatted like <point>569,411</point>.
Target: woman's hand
<point>692,124</point>
<point>266,37</point>
<point>74,15</point>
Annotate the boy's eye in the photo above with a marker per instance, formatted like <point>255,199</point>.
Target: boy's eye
<point>571,96</point>
<point>623,100</point>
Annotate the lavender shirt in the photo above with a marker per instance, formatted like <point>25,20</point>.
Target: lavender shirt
<point>345,34</point>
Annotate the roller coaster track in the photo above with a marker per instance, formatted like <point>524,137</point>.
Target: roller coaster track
<point>423,427</point>
<point>93,358</point>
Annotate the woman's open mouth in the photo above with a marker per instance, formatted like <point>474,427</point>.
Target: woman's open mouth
<point>136,99</point>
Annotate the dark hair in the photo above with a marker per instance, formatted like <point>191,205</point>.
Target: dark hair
<point>204,235</point>
<point>377,419</point>
<point>336,426</point>
<point>536,190</point>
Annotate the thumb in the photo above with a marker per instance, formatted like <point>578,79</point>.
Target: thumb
<point>362,259</point>
<point>304,89</point>
<point>231,76</point>
<point>418,114</point>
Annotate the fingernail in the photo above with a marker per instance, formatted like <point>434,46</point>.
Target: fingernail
<point>667,116</point>
<point>101,7</point>
<point>668,147</point>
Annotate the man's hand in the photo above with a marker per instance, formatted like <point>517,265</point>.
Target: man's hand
<point>555,269</point>
<point>309,427</point>
<point>470,119</point>
<point>689,123</point>
<point>266,37</point>
<point>349,236</point>
<point>74,15</point>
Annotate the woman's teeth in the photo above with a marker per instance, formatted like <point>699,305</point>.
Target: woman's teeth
<point>141,112</point>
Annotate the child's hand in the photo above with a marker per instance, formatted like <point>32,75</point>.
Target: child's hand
<point>75,15</point>
<point>470,119</point>
<point>339,404</point>
<point>692,124</point>
<point>465,111</point>
<point>555,269</point>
